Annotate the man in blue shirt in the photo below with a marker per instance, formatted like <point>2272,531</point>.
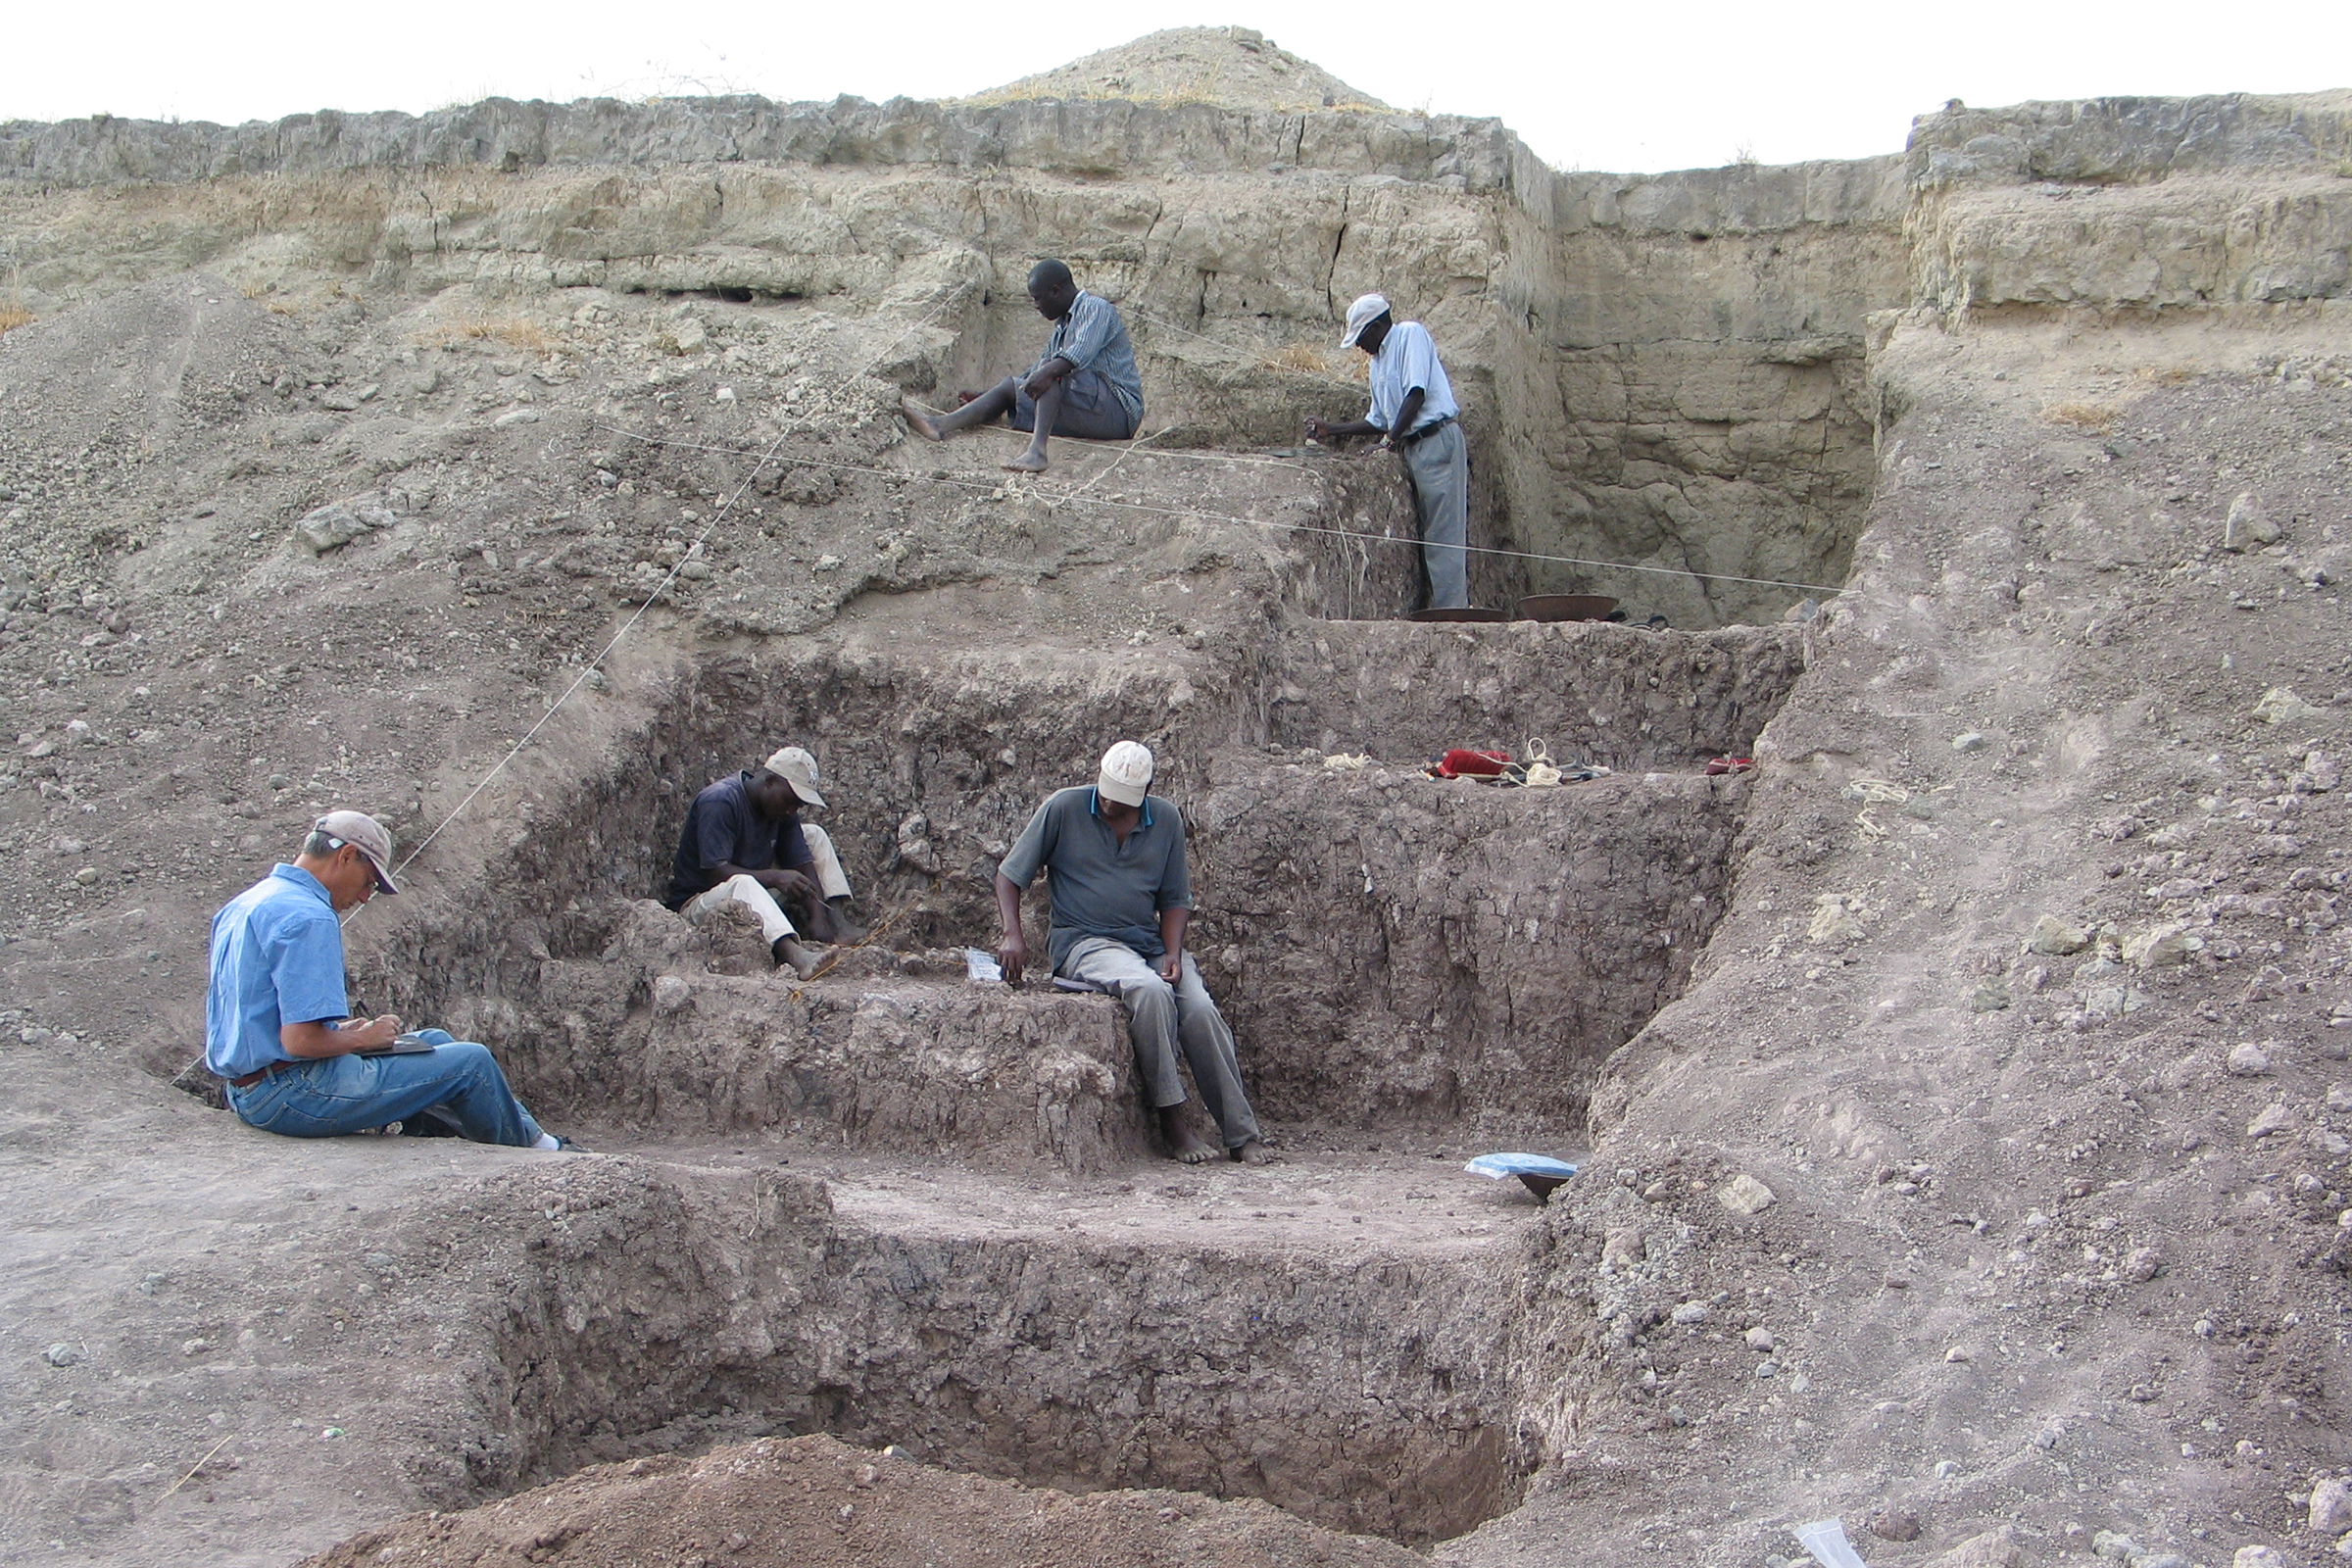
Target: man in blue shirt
<point>744,843</point>
<point>277,1024</point>
<point>1085,386</point>
<point>1122,898</point>
<point>1414,414</point>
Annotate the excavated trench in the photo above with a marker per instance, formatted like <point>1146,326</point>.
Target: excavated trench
<point>991,1268</point>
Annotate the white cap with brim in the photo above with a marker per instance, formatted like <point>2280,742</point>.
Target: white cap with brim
<point>1367,309</point>
<point>798,770</point>
<point>1126,772</point>
<point>365,834</point>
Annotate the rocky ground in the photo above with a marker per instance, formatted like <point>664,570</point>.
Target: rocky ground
<point>1963,1086</point>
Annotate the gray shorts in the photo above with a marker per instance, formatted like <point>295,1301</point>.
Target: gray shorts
<point>1090,410</point>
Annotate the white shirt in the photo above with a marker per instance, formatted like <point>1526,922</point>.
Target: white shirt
<point>1408,359</point>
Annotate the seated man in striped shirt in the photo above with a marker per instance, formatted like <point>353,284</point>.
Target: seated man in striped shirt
<point>1085,385</point>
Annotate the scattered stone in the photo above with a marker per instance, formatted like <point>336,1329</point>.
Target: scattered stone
<point>1760,1339</point>
<point>2275,1119</point>
<point>1745,1195</point>
<point>2281,705</point>
<point>2162,947</point>
<point>2257,1555</point>
<point>2318,776</point>
<point>2141,1394</point>
<point>2054,938</point>
<point>1621,1248</point>
<point>513,416</point>
<point>87,876</point>
<point>2144,1265</point>
<point>1945,1469</point>
<point>1973,741</point>
<point>2115,1545</point>
<point>827,563</point>
<point>2247,1060</point>
<point>196,1347</point>
<point>339,522</point>
<point>1767,1370</point>
<point>1834,921</point>
<point>671,994</point>
<point>61,1356</point>
<point>1689,1312</point>
<point>1895,1524</point>
<point>1994,1548</point>
<point>2248,526</point>
<point>2332,1506</point>
<point>1958,1356</point>
<point>1990,995</point>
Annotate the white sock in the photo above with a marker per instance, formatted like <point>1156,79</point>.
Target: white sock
<point>548,1141</point>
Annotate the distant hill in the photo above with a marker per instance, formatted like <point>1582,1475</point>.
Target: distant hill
<point>1233,68</point>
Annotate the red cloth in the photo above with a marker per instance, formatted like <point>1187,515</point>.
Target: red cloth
<point>1458,763</point>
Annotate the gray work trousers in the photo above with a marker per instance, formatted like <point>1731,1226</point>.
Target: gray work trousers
<point>1439,464</point>
<point>1163,1018</point>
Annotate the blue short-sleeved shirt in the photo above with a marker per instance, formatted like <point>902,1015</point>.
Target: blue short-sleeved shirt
<point>1100,886</point>
<point>1408,359</point>
<point>278,958</point>
<point>1093,336</point>
<point>725,825</point>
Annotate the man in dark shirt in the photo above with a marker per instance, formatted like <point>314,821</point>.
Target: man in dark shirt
<point>1122,898</point>
<point>744,843</point>
<point>1084,385</point>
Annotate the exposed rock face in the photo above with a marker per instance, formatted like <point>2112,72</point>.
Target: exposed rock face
<point>1230,67</point>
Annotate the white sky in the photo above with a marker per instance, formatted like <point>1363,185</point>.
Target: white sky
<point>1621,89</point>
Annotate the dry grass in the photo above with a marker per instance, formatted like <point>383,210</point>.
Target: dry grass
<point>12,317</point>
<point>1300,358</point>
<point>2166,375</point>
<point>2092,418</point>
<point>515,331</point>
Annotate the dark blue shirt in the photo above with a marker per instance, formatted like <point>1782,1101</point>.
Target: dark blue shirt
<point>278,958</point>
<point>1103,888</point>
<point>725,825</point>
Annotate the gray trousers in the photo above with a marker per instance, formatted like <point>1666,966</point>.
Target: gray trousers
<point>1164,1019</point>
<point>746,891</point>
<point>1438,466</point>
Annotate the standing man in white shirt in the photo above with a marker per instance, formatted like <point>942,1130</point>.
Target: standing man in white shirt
<point>1415,416</point>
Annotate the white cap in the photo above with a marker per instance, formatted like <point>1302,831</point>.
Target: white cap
<point>796,768</point>
<point>1367,309</point>
<point>1126,772</point>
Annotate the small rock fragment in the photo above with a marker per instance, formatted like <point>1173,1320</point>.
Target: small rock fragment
<point>1622,1247</point>
<point>1973,741</point>
<point>2115,1546</point>
<point>61,1356</point>
<point>2054,938</point>
<point>671,994</point>
<point>2247,1060</point>
<point>2276,1118</point>
<point>2144,1265</point>
<point>1994,1548</point>
<point>1745,1195</point>
<point>2248,526</point>
<point>1760,1339</point>
<point>1689,1312</point>
<point>87,876</point>
<point>2257,1555</point>
<point>2161,946</point>
<point>1958,1355</point>
<point>2281,705</point>
<point>1895,1524</point>
<point>2332,1506</point>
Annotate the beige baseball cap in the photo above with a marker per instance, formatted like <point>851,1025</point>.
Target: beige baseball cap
<point>798,770</point>
<point>365,834</point>
<point>1367,309</point>
<point>1126,772</point>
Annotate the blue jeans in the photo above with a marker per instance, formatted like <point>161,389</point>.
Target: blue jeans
<point>349,1093</point>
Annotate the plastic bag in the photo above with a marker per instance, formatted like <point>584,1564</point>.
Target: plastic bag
<point>1824,1539</point>
<point>981,969</point>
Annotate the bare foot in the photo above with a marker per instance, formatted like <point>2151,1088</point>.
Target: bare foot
<point>919,419</point>
<point>1191,1151</point>
<point>1029,461</point>
<point>1254,1152</point>
<point>802,957</point>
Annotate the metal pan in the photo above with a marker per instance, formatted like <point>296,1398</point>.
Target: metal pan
<point>1566,607</point>
<point>1478,612</point>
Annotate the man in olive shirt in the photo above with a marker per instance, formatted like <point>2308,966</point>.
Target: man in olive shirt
<point>1122,897</point>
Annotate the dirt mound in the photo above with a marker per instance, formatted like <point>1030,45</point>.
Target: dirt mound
<point>813,1502</point>
<point>1233,67</point>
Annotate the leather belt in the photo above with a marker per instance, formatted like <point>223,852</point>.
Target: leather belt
<point>1425,431</point>
<point>259,1073</point>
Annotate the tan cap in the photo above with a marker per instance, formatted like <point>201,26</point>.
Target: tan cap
<point>798,770</point>
<point>365,834</point>
<point>1126,772</point>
